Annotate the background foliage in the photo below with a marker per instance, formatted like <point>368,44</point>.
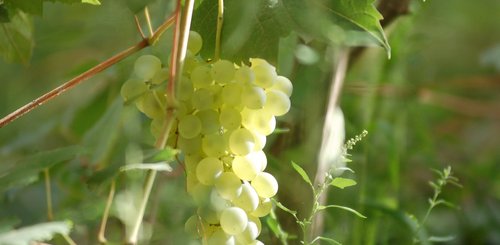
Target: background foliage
<point>434,103</point>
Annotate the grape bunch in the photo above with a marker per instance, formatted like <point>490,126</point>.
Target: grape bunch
<point>224,113</point>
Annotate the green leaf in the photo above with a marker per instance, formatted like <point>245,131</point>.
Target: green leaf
<point>166,155</point>
<point>137,5</point>
<point>27,6</point>
<point>159,166</point>
<point>251,29</point>
<point>441,238</point>
<point>38,232</point>
<point>26,170</point>
<point>16,38</point>
<point>93,2</point>
<point>342,182</point>
<point>344,208</point>
<point>282,207</point>
<point>302,173</point>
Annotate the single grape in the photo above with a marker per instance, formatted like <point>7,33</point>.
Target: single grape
<point>265,75</point>
<point>249,234</point>
<point>185,89</point>
<point>209,121</point>
<point>264,208</point>
<point>189,126</point>
<point>132,89</point>
<point>152,104</point>
<point>260,141</point>
<point>258,158</point>
<point>191,62</point>
<point>192,226</point>
<point>223,71</point>
<point>253,97</point>
<point>233,220</point>
<point>265,185</point>
<point>219,237</point>
<point>244,75</point>
<point>201,77</point>
<point>248,200</point>
<point>146,66</point>
<point>245,168</point>
<point>255,220</point>
<point>284,85</point>
<point>241,141</point>
<point>214,145</point>
<point>262,122</point>
<point>228,185</point>
<point>277,103</point>
<point>232,93</point>
<point>202,99</point>
<point>208,170</point>
<point>230,118</point>
<point>160,76</point>
<point>195,42</point>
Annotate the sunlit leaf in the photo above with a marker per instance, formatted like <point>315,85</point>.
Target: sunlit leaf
<point>160,166</point>
<point>441,238</point>
<point>38,232</point>
<point>342,182</point>
<point>302,173</point>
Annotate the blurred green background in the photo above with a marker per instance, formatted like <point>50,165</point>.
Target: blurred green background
<point>435,103</point>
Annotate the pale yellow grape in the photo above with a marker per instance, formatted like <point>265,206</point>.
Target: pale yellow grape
<point>149,104</point>
<point>249,234</point>
<point>185,89</point>
<point>160,76</point>
<point>230,118</point>
<point>248,200</point>
<point>190,146</point>
<point>232,93</point>
<point>260,141</point>
<point>284,85</point>
<point>255,220</point>
<point>209,121</point>
<point>265,75</point>
<point>233,220</point>
<point>277,103</point>
<point>189,126</point>
<point>218,202</point>
<point>247,116</point>
<point>216,91</point>
<point>214,145</point>
<point>156,126</point>
<point>132,89</point>
<point>262,122</point>
<point>208,170</point>
<point>208,214</point>
<point>201,77</point>
<point>146,66</point>
<point>202,99</point>
<point>219,237</point>
<point>264,208</point>
<point>223,71</point>
<point>265,185</point>
<point>195,42</point>
<point>258,157</point>
<point>241,141</point>
<point>244,168</point>
<point>253,97</point>
<point>228,185</point>
<point>244,75</point>
<point>192,226</point>
<point>181,110</point>
<point>258,61</point>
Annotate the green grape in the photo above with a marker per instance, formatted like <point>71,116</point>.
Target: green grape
<point>265,75</point>
<point>260,141</point>
<point>185,89</point>
<point>230,118</point>
<point>160,76</point>
<point>192,226</point>
<point>277,103</point>
<point>149,104</point>
<point>201,77</point>
<point>189,126</point>
<point>223,71</point>
<point>209,121</point>
<point>231,94</point>
<point>181,110</point>
<point>264,208</point>
<point>132,89</point>
<point>208,170</point>
<point>244,75</point>
<point>248,200</point>
<point>249,234</point>
<point>253,97</point>
<point>233,220</point>
<point>258,158</point>
<point>214,145</point>
<point>241,141</point>
<point>190,146</point>
<point>156,126</point>
<point>195,42</point>
<point>146,66</point>
<point>258,61</point>
<point>218,202</point>
<point>245,168</point>
<point>191,62</point>
<point>284,85</point>
<point>219,237</point>
<point>202,99</point>
<point>265,185</point>
<point>262,123</point>
<point>228,185</point>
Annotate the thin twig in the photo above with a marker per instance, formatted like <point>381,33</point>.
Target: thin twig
<point>101,237</point>
<point>220,20</point>
<point>148,21</point>
<point>48,193</point>
<point>139,28</point>
<point>340,70</point>
<point>134,236</point>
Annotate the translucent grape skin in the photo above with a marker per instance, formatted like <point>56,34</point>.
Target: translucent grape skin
<point>146,66</point>
<point>208,170</point>
<point>233,220</point>
<point>195,42</point>
<point>189,126</point>
<point>132,89</point>
<point>265,185</point>
<point>241,141</point>
<point>223,71</point>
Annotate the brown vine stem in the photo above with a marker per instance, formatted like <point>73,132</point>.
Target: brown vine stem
<point>86,75</point>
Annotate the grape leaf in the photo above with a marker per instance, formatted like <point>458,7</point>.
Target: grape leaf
<point>16,38</point>
<point>251,29</point>
<point>26,170</point>
<point>38,232</point>
<point>27,6</point>
<point>342,182</point>
<point>302,173</point>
